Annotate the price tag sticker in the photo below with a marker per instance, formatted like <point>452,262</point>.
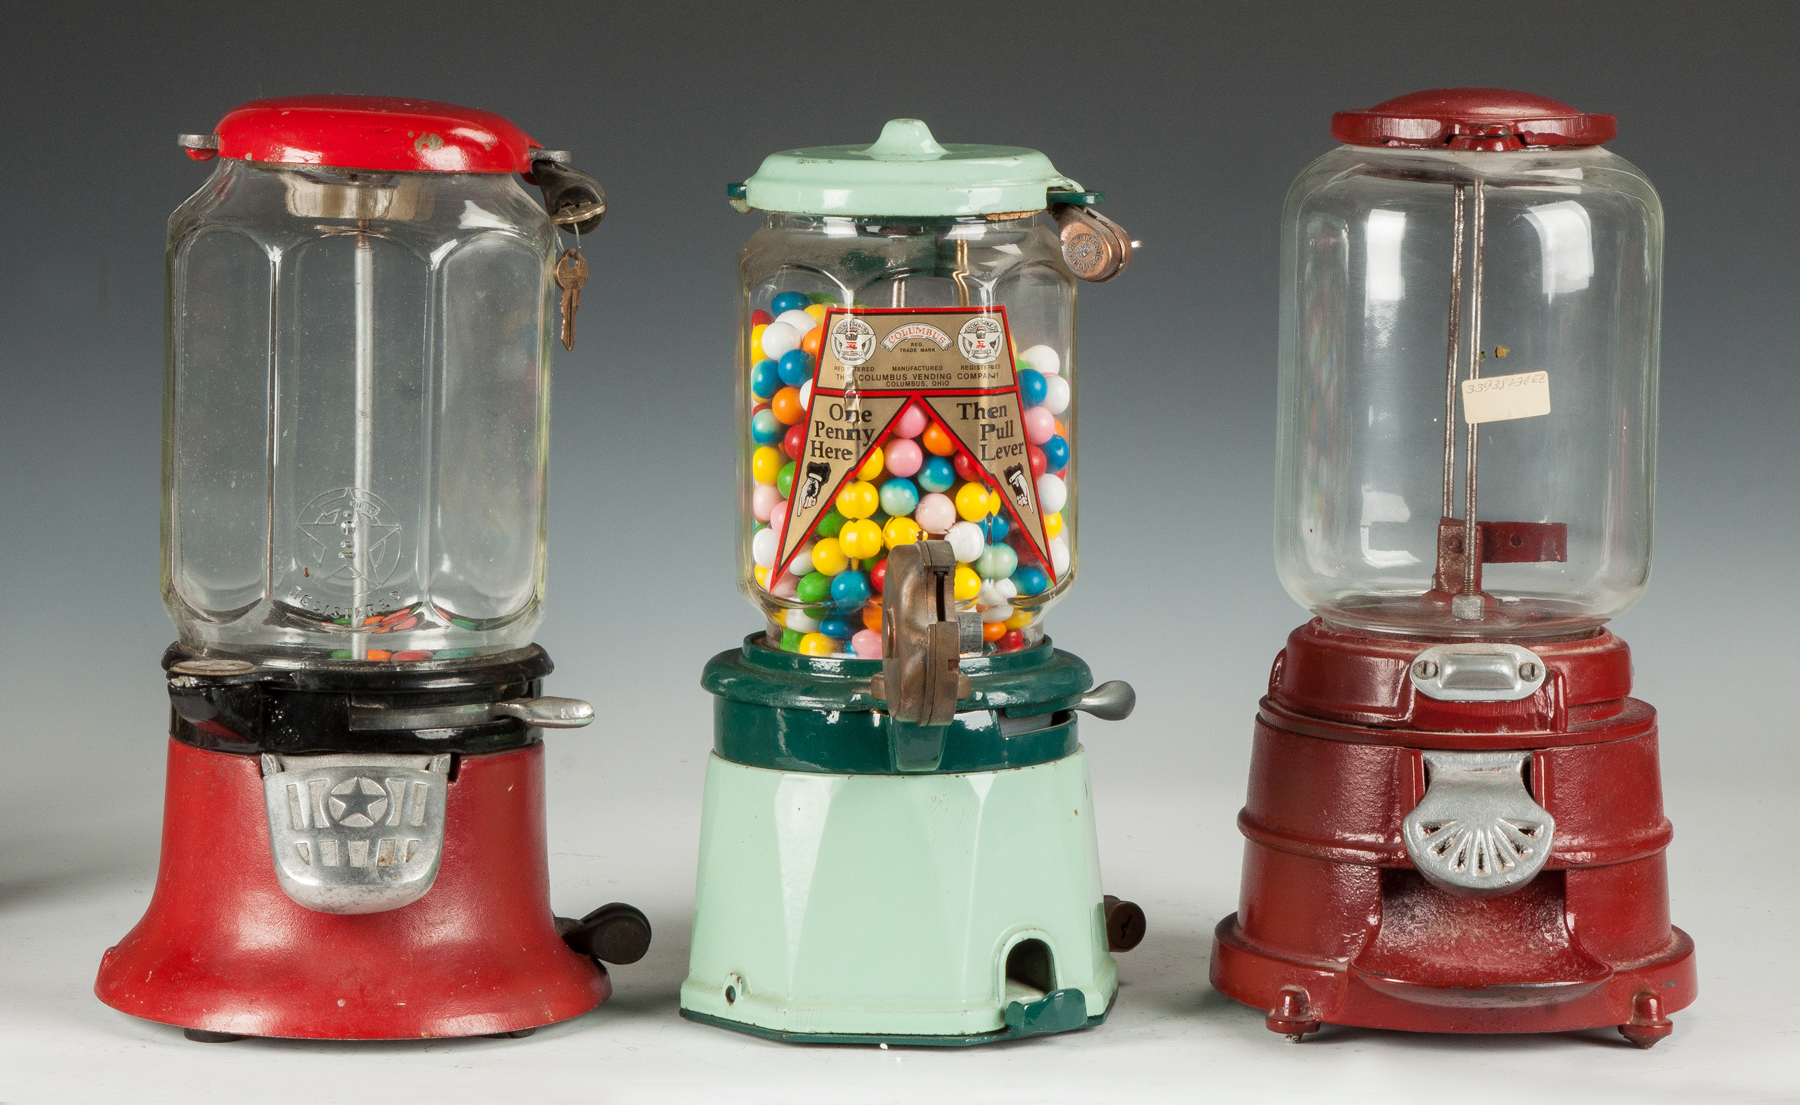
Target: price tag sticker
<point>1501,398</point>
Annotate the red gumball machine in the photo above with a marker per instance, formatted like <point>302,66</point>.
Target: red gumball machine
<point>361,302</point>
<point>1454,820</point>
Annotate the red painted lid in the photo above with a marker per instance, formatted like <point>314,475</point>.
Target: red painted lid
<point>380,133</point>
<point>1472,119</point>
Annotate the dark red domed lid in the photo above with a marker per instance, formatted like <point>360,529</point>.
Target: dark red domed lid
<point>380,133</point>
<point>1472,119</point>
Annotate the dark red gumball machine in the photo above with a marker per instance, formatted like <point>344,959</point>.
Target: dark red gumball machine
<point>1455,821</point>
<point>361,302</point>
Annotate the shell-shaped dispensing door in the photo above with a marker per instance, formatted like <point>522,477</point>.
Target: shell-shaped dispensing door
<point>1477,832</point>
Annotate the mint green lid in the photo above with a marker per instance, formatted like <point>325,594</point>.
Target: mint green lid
<point>906,172</point>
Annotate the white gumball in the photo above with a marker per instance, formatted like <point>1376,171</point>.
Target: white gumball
<point>778,338</point>
<point>997,613</point>
<point>1006,589</point>
<point>806,394</point>
<point>1056,394</point>
<point>762,548</point>
<point>1052,493</point>
<point>966,542</point>
<point>799,320</point>
<point>802,621</point>
<point>1059,556</point>
<point>1041,357</point>
<point>802,562</point>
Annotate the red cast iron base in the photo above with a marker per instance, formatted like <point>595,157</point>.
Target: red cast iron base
<point>223,950</point>
<point>1334,924</point>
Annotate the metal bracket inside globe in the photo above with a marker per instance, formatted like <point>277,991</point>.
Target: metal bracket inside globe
<point>1478,832</point>
<point>356,832</point>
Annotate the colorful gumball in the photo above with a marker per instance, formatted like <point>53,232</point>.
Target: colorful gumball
<point>1011,641</point>
<point>814,586</point>
<point>866,644</point>
<point>936,513</point>
<point>1030,581</point>
<point>911,423</point>
<point>837,627</point>
<point>904,457</point>
<point>969,470</point>
<point>813,340</point>
<point>1032,387</point>
<point>898,531</point>
<point>802,620</point>
<point>871,613</point>
<point>966,543</point>
<point>996,562</point>
<point>1056,394</point>
<point>872,465</point>
<point>787,406</point>
<point>1053,524</point>
<point>993,631</point>
<point>937,474</point>
<point>790,640</point>
<point>850,589</point>
<point>1052,493</point>
<point>829,557</point>
<point>1039,463</point>
<point>1043,359</point>
<point>765,378</point>
<point>899,496</point>
<point>788,301</point>
<point>967,584</point>
<point>816,644</point>
<point>1059,556</point>
<point>766,429</point>
<point>756,349</point>
<point>797,320</point>
<point>794,440</point>
<point>861,539</point>
<point>778,337</point>
<point>784,482</point>
<point>858,499</point>
<point>1040,424</point>
<point>765,464</point>
<point>795,366</point>
<point>1056,454</point>
<point>1020,618</point>
<point>802,561</point>
<point>938,441</point>
<point>878,576</point>
<point>971,501</point>
<point>761,318</point>
<point>763,500</point>
<point>995,527</point>
<point>762,547</point>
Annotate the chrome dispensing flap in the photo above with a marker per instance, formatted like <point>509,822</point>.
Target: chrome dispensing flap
<point>356,833</point>
<point>1477,832</point>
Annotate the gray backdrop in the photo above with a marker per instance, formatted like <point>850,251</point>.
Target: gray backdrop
<point>1192,118</point>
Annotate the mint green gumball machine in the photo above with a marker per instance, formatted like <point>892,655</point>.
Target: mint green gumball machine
<point>898,841</point>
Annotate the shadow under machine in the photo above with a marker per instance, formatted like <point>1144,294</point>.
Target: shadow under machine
<point>356,414</point>
<point>1454,820</point>
<point>898,841</point>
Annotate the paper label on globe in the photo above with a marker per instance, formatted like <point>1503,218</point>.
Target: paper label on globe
<point>1502,398</point>
<point>955,364</point>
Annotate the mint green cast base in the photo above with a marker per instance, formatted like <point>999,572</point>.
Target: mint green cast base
<point>885,908</point>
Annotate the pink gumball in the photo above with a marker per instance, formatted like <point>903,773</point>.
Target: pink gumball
<point>935,513</point>
<point>904,457</point>
<point>910,424</point>
<point>866,643</point>
<point>778,513</point>
<point>1040,425</point>
<point>787,587</point>
<point>763,500</point>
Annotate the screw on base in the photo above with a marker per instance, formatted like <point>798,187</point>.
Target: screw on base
<point>202,1036</point>
<point>1293,1015</point>
<point>1647,1024</point>
<point>1124,924</point>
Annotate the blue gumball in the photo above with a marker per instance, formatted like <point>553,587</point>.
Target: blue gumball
<point>795,367</point>
<point>1032,387</point>
<point>995,527</point>
<point>766,429</point>
<point>937,474</point>
<point>837,627</point>
<point>1030,581</point>
<point>788,301</point>
<point>899,496</point>
<point>1056,454</point>
<point>765,379</point>
<point>850,589</point>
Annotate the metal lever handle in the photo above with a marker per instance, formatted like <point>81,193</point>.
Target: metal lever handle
<point>547,713</point>
<point>1112,700</point>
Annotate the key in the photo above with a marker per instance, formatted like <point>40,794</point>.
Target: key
<point>571,274</point>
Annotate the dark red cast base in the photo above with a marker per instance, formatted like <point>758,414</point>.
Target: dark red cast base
<point>223,950</point>
<point>1334,924</point>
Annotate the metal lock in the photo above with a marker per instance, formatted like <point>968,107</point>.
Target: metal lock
<point>1093,246</point>
<point>921,676</point>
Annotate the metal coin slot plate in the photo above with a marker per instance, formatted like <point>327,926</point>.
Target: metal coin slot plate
<point>1485,672</point>
<point>921,679</point>
<point>356,833</point>
<point>1477,832</point>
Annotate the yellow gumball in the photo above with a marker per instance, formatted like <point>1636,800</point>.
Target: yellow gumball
<point>765,464</point>
<point>858,499</point>
<point>861,539</point>
<point>995,502</point>
<point>972,502</point>
<point>756,353</point>
<point>900,530</point>
<point>762,576</point>
<point>817,311</point>
<point>817,644</point>
<point>967,584</point>
<point>1052,525</point>
<point>1020,619</point>
<point>877,460</point>
<point>829,557</point>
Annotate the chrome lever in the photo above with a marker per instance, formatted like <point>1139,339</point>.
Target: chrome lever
<point>547,713</point>
<point>1112,700</point>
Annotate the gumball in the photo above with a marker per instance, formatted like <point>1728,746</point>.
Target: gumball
<point>778,337</point>
<point>1030,581</point>
<point>787,406</point>
<point>816,644</point>
<point>1052,493</point>
<point>1056,452</point>
<point>966,543</point>
<point>1012,641</point>
<point>762,576</point>
<point>900,530</point>
<point>766,429</point>
<point>858,499</point>
<point>996,562</point>
<point>1040,424</point>
<point>756,349</point>
<point>816,310</point>
<point>794,440</point>
<point>814,586</point>
<point>785,587</point>
<point>828,558</point>
<point>1020,619</point>
<point>871,613</point>
<point>837,627</point>
<point>993,631</point>
<point>761,318</point>
<point>1056,394</point>
<point>937,440</point>
<point>830,524</point>
<point>790,640</point>
<point>861,539</point>
<point>935,513</point>
<point>784,483</point>
<point>798,320</point>
<point>802,620</point>
<point>763,500</point>
<point>812,341</point>
<point>765,464</point>
<point>937,474</point>
<point>866,644</point>
<point>995,527</point>
<point>802,563</point>
<point>1032,387</point>
<point>795,366</point>
<point>899,496</point>
<point>1059,556</point>
<point>968,469</point>
<point>778,512</point>
<point>872,465</point>
<point>967,584</point>
<point>971,501</point>
<point>1039,463</point>
<point>904,457</point>
<point>765,378</point>
<point>878,575</point>
<point>806,395</point>
<point>788,301</point>
<point>996,615</point>
<point>850,589</point>
<point>762,548</point>
<point>1053,524</point>
<point>911,423</point>
<point>1042,358</point>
